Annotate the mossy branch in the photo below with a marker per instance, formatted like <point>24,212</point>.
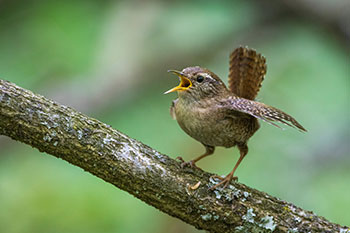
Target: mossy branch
<point>145,173</point>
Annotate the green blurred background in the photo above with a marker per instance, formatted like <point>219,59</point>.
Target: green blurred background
<point>109,59</point>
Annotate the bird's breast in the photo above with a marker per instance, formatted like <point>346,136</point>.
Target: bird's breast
<point>212,127</point>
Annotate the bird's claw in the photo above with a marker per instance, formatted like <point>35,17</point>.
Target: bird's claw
<point>183,164</point>
<point>190,164</point>
<point>224,181</point>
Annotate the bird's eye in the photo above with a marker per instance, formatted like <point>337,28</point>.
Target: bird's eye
<point>200,79</point>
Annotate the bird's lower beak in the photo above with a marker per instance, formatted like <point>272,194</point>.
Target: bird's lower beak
<point>185,83</point>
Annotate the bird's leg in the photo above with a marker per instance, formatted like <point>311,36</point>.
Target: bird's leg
<point>243,149</point>
<point>208,151</point>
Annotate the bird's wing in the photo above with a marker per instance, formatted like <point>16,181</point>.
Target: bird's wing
<point>172,109</point>
<point>259,110</point>
<point>247,71</point>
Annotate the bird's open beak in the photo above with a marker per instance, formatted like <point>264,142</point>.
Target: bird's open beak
<point>185,83</point>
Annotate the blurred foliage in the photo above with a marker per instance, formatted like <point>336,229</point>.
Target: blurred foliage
<point>109,59</point>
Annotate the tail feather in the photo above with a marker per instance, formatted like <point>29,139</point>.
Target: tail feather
<point>247,71</point>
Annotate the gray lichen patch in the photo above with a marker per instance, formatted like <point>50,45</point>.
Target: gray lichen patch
<point>108,139</point>
<point>293,230</point>
<point>297,219</point>
<point>229,193</point>
<point>140,161</point>
<point>79,134</point>
<point>5,98</point>
<point>207,217</point>
<point>50,136</point>
<point>162,158</point>
<point>249,216</point>
<point>344,230</point>
<point>246,194</point>
<point>216,217</point>
<point>218,194</point>
<point>253,225</point>
<point>268,223</point>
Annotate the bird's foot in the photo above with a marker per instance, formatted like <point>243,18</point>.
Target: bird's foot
<point>191,163</point>
<point>224,181</point>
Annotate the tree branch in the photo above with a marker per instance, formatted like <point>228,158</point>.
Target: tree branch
<point>145,173</point>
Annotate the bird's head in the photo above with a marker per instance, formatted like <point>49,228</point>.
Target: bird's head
<point>197,83</point>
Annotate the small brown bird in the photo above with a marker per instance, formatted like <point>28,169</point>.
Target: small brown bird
<point>216,116</point>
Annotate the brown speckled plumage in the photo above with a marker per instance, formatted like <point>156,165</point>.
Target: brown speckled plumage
<point>216,116</point>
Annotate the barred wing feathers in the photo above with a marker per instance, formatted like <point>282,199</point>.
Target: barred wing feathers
<point>261,111</point>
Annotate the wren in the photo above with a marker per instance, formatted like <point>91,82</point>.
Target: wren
<point>215,115</point>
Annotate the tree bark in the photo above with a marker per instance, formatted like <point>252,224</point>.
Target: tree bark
<point>145,173</point>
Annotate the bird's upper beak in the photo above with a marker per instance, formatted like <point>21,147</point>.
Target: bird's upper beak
<point>185,83</point>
